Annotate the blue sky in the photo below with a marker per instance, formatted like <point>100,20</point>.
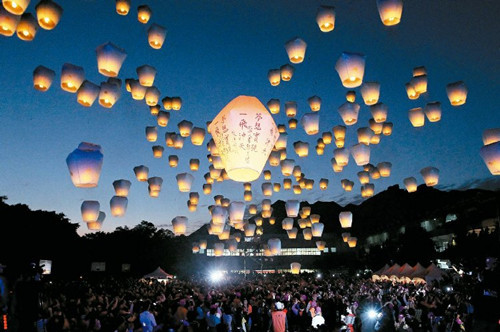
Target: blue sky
<point>217,50</point>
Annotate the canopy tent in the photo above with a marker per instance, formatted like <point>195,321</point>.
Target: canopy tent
<point>407,273</point>
<point>158,274</point>
<point>433,273</point>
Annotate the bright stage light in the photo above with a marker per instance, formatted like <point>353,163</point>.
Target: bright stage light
<point>318,275</point>
<point>372,314</point>
<point>216,276</point>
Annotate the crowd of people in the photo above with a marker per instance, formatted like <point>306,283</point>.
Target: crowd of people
<point>278,302</point>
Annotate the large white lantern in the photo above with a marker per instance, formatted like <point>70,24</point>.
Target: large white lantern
<point>122,187</point>
<point>141,173</point>
<point>109,94</point>
<point>491,157</point>
<point>244,119</point>
<point>184,182</point>
<point>351,69</point>
<point>430,175</point>
<point>491,136</point>
<point>317,229</point>
<point>146,75</point>
<point>118,206</point>
<point>361,154</point>
<point>345,219</point>
<point>110,59</point>
<point>179,224</point>
<point>156,36</point>
<point>292,207</point>
<point>349,113</point>
<point>390,11</point>
<point>85,164</point>
<point>48,14</point>
<point>296,50</point>
<point>90,211</point>
<point>325,17</point>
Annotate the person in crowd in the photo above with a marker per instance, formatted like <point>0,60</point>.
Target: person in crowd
<point>278,318</point>
<point>147,319</point>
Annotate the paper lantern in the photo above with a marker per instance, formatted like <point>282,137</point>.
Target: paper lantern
<point>247,195</point>
<point>42,78</point>
<point>317,229</point>
<point>90,210</point>
<point>156,36</point>
<point>292,233</point>
<point>390,11</point>
<point>410,184</point>
<point>152,95</point>
<point>295,267</point>
<point>8,22</point>
<point>144,13</point>
<point>292,207</point>
<point>267,175</point>
<point>323,184</point>
<point>155,183</point>
<point>364,177</point>
<point>379,112</point>
<point>411,91</point>
<point>194,164</point>
<point>297,190</point>
<point>267,189</point>
<point>350,96</point>
<point>287,184</point>
<point>296,50</point>
<point>302,223</point>
<point>307,233</point>
<point>341,156</point>
<point>367,190</point>
<point>457,93</point>
<point>158,151</point>
<point>203,244</point>
<point>286,72</point>
<point>110,59</point>
<point>96,225</point>
<point>352,241</point>
<point>146,75</point>
<point>252,209</point>
<point>207,188</point>
<point>274,106</point>
<point>154,110</point>
<point>351,68</point>
<point>387,128</point>
<point>491,136</point>
<point>430,175</point>
<point>275,246</point>
<point>244,115</point>
<point>71,77</point>
<point>173,160</point>
<point>274,77</point>
<point>339,132</point>
<point>327,137</point>
<point>419,83</point>
<point>122,7</point>
<point>370,91</point>
<point>491,157</point>
<point>219,249</point>
<point>368,167</point>
<point>184,181</point>
<point>85,164</point>
<point>109,93</point>
<point>179,224</point>
<point>287,224</point>
<point>178,142</point>
<point>197,136</point>
<point>320,245</point>
<point>249,230</point>
<point>301,149</point>
<point>310,122</point>
<point>258,221</point>
<point>185,128</point>
<point>287,167</point>
<point>335,166</point>
<point>297,171</point>
<point>345,236</point>
<point>141,173</point>
<point>345,219</point>
<point>274,158</point>
<point>419,71</point>
<point>151,134</point>
<point>292,123</point>
<point>122,187</point>
<point>162,119</point>
<point>169,136</point>
<point>375,139</point>
<point>87,93</point>
<point>349,113</point>
<point>347,185</point>
<point>291,109</point>
<point>375,173</point>
<point>417,117</point>
<point>266,205</point>
<point>365,135</point>
<point>384,168</point>
<point>281,129</point>
<point>195,247</point>
<point>232,245</point>
<point>118,206</point>
<point>236,211</point>
<point>176,103</point>
<point>282,141</point>
<point>314,218</point>
<point>325,17</point>
<point>376,127</point>
<point>219,215</point>
<point>16,7</point>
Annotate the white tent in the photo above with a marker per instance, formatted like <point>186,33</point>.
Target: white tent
<point>433,273</point>
<point>158,274</point>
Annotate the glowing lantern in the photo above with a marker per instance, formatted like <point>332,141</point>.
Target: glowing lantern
<point>197,136</point>
<point>417,117</point>
<point>320,245</point>
<point>341,156</point>
<point>352,241</point>
<point>179,224</point>
<point>267,175</point>
<point>287,184</point>
<point>258,221</point>
<point>173,160</point>
<point>379,112</point>
<point>320,150</point>
<point>218,249</point>
<point>184,181</point>
<point>351,68</point>
<point>339,132</point>
<point>274,106</point>
<point>110,59</point>
<point>291,109</point>
<point>178,141</point>
<point>207,188</point>
<point>225,202</point>
<point>387,128</point>
<point>419,83</point>
<point>419,71</point>
<point>152,95</point>
<point>375,139</point>
<point>350,96</point>
<point>297,172</point>
<point>384,169</point>
<point>274,77</point>
<point>370,91</point>
<point>491,157</point>
<point>252,209</point>
<point>203,244</point>
<point>90,211</point>
<point>320,144</point>
<point>323,184</point>
<point>292,207</point>
<point>162,119</point>
<point>390,11</point>
<point>8,22</point>
<point>310,122</point>
<point>215,229</point>
<point>194,164</point>
<point>122,7</point>
<point>457,93</point>
<point>275,246</point>
<point>375,173</point>
<point>155,183</point>
<point>292,233</point>
<point>247,195</point>
<point>274,158</point>
<point>286,72</point>
<point>287,167</point>
<point>347,185</point>
<point>16,7</point>
<point>365,135</point>
<point>156,36</point>
<point>195,248</point>
<point>267,189</point>
<point>137,90</point>
<point>317,229</point>
<point>154,110</point>
<point>167,103</point>
<point>108,94</point>
<point>367,190</point>
<point>176,103</point>
<point>491,136</point>
<point>307,233</point>
<point>151,134</point>
<point>335,166</point>
<point>325,17</point>
<point>292,123</point>
<point>410,184</point>
<point>368,167</point>
<point>297,190</point>
<point>282,141</point>
<point>232,245</point>
<point>301,149</point>
<point>85,164</point>
<point>281,129</point>
<point>144,13</point>
<point>236,211</point>
<point>430,175</point>
<point>185,128</point>
<point>146,75</point>
<point>411,91</point>
<point>287,224</point>
<point>295,267</point>
<point>122,187</point>
<point>433,111</point>
<point>141,173</point>
<point>118,206</point>
<point>241,115</point>
<point>272,220</point>
<point>327,137</point>
<point>349,113</point>
<point>249,230</point>
<point>345,236</point>
<point>296,50</point>
<point>71,77</point>
<point>266,205</point>
<point>42,78</point>
<point>96,225</point>
<point>345,219</point>
<point>364,177</point>
<point>302,223</point>
<point>219,215</point>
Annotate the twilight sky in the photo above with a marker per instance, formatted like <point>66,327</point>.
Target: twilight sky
<point>217,50</point>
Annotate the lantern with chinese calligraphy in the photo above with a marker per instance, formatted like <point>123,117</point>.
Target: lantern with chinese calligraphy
<point>410,184</point>
<point>370,91</point>
<point>295,268</point>
<point>390,11</point>
<point>108,94</point>
<point>491,136</point>
<point>351,69</point>
<point>156,36</point>
<point>286,72</point>
<point>85,164</point>
<point>122,187</point>
<point>349,113</point>
<point>118,206</point>
<point>90,210</point>
<point>144,13</point>
<point>296,50</point>
<point>274,77</point>
<point>310,122</point>
<point>141,173</point>
<point>301,149</point>
<point>8,22</point>
<point>384,168</point>
<point>457,93</point>
<point>325,17</point>
<point>110,59</point>
<point>345,219</point>
<point>491,157</point>
<point>352,241</point>
<point>71,77</point>
<point>42,78</point>
<point>244,115</point>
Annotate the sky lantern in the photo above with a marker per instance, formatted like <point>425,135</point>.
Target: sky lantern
<point>301,148</point>
<point>295,268</point>
<point>274,106</point>
<point>419,71</point>
<point>310,122</point>
<point>122,7</point>
<point>219,215</point>
<point>307,233</point>
<point>141,173</point>
<point>327,137</point>
<point>417,117</point>
<point>349,113</point>
<point>320,245</point>
<point>411,91</point>
<point>162,119</point>
<point>339,132</point>
<point>341,156</point>
<point>184,182</point>
<point>350,96</point>
<point>292,233</point>
<point>96,225</point>
<point>433,111</point>
<point>296,50</point>
<point>156,36</point>
<point>207,188</point>
<point>252,209</point>
<point>236,211</point>
<point>347,184</point>
<point>375,173</point>
<point>179,224</point>
<point>244,115</point>
<point>267,189</point>
<point>287,167</point>
<point>352,241</point>
<point>287,184</point>
<point>274,77</point>
<point>410,184</point>
<point>281,142</point>
<point>375,139</point>
<point>317,229</point>
<point>185,128</point>
<point>267,175</point>
<point>367,190</point>
<point>90,210</point>
<point>275,246</point>
<point>457,93</point>
<point>272,220</point>
<point>370,91</point>
<point>173,160</point>
<point>297,172</point>
<point>42,78</point>
<point>292,207</point>
<point>232,245</point>
<point>197,136</point>
<point>27,27</point>
<point>85,164</point>
<point>203,244</point>
<point>122,187</point>
<point>247,195</point>
<point>154,187</point>
<point>176,103</point>
<point>365,135</point>
<point>287,224</point>
<point>249,230</point>
<point>151,134</point>
<point>146,75</point>
<point>178,141</point>
<point>309,184</point>
<point>314,218</point>
<point>419,83</point>
<point>154,110</point>
<point>376,127</point>
<point>109,93</point>
<point>364,177</point>
<point>302,223</point>
<point>16,7</point>
<point>387,128</point>
<point>491,136</point>
<point>390,11</point>
<point>292,123</point>
<point>291,109</point>
<point>118,206</point>
<point>110,59</point>
<point>345,236</point>
<point>345,219</point>
<point>258,221</point>
<point>384,168</point>
<point>351,68</point>
<point>323,184</point>
<point>335,166</point>
<point>71,77</point>
<point>491,157</point>
<point>379,112</point>
<point>167,103</point>
<point>8,22</point>
<point>325,17</point>
<point>282,128</point>
<point>137,91</point>
<point>144,13</point>
<point>286,72</point>
<point>430,175</point>
<point>152,95</point>
<point>194,164</point>
<point>214,229</point>
<point>247,186</point>
<point>195,248</point>
<point>225,202</point>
